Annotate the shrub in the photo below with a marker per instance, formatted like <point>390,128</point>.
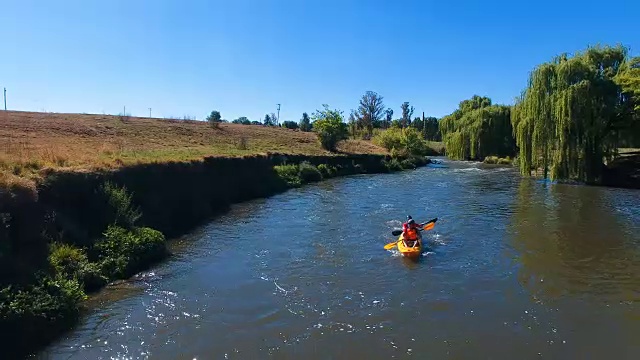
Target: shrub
<point>327,171</point>
<point>497,160</point>
<point>214,119</point>
<point>413,143</point>
<point>72,263</point>
<point>120,201</point>
<point>402,142</point>
<point>393,165</point>
<point>67,260</point>
<point>505,161</point>
<point>33,314</point>
<point>408,163</point>
<point>389,139</point>
<point>330,127</point>
<point>290,125</point>
<point>123,252</point>
<point>491,160</point>
<point>290,174</point>
<point>309,173</point>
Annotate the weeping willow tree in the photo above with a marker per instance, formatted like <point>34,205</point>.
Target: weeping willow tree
<point>569,118</point>
<point>478,129</point>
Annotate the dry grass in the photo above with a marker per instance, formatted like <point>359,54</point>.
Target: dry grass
<point>32,141</point>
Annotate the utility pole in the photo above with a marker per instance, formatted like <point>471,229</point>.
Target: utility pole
<point>278,114</point>
<point>5,99</point>
<point>149,112</point>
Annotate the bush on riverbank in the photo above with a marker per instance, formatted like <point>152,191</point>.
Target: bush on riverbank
<point>296,175</point>
<point>122,252</point>
<point>498,160</point>
<point>327,171</point>
<point>403,142</point>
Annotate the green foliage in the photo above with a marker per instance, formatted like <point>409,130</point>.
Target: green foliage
<point>628,78</point>
<point>478,129</point>
<point>309,173</point>
<point>370,111</point>
<point>124,213</point>
<point>497,160</point>
<point>404,142</point>
<point>269,120</point>
<point>389,139</point>
<point>305,123</point>
<point>393,165</point>
<point>329,126</point>
<point>72,263</point>
<point>327,171</point>
<point>430,129</point>
<point>290,174</point>
<point>388,118</point>
<point>413,143</point>
<point>407,112</point>
<point>48,299</point>
<point>243,120</point>
<point>123,252</point>
<point>290,125</point>
<point>572,114</point>
<point>214,118</point>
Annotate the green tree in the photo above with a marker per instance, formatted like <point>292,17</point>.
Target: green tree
<point>214,117</point>
<point>430,129</point>
<point>388,118</point>
<point>353,124</point>
<point>269,120</point>
<point>370,110</point>
<point>629,79</point>
<point>407,112</point>
<point>478,129</point>
<point>570,117</point>
<point>330,127</point>
<point>242,120</point>
<point>305,122</point>
<point>290,125</point>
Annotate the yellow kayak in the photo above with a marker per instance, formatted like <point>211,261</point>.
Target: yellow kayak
<point>411,251</point>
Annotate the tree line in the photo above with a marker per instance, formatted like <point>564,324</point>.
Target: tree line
<point>572,117</point>
<point>331,127</point>
<point>371,114</point>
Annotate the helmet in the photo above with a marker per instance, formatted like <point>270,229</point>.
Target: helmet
<point>409,217</point>
<point>411,221</point>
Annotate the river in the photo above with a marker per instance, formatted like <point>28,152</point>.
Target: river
<point>515,268</point>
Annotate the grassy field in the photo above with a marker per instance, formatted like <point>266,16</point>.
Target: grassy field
<point>31,141</point>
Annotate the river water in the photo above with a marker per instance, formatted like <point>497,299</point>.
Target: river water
<point>515,268</point>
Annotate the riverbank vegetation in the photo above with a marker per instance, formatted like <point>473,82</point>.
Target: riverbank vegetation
<point>575,112</point>
<point>478,129</point>
<point>568,123</point>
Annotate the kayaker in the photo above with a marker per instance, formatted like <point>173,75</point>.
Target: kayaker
<point>410,231</point>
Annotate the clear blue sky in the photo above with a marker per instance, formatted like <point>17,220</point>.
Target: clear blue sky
<point>243,57</point>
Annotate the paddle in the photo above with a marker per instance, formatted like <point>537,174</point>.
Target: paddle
<point>426,226</point>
